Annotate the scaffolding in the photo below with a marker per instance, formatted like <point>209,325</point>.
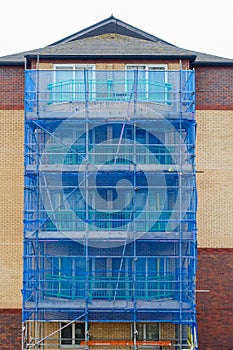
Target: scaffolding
<point>110,207</point>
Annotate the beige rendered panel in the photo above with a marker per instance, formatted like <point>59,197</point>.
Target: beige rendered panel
<point>215,178</point>
<point>11,204</point>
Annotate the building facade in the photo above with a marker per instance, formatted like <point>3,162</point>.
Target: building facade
<point>111,163</point>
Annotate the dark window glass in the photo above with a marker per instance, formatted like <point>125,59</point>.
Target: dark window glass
<point>79,332</point>
<point>72,334</point>
<point>140,329</point>
<point>147,331</point>
<point>66,334</point>
<point>152,331</point>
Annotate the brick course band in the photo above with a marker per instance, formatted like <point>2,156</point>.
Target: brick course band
<point>10,311</point>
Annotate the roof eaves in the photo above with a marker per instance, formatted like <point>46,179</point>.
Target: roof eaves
<point>143,56</point>
<point>211,63</point>
<point>12,63</point>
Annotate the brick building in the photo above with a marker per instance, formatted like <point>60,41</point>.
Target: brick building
<point>98,135</point>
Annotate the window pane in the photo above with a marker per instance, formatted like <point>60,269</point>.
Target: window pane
<point>136,67</point>
<point>66,266</point>
<point>140,84</point>
<point>66,334</point>
<point>141,267</point>
<point>152,331</point>
<point>62,89</point>
<point>140,330</point>
<point>84,80</point>
<point>64,73</point>
<point>156,85</point>
<point>140,200</point>
<point>79,333</point>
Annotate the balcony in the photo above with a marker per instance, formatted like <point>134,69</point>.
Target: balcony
<point>111,94</point>
<point>68,279</point>
<point>109,206</point>
<point>106,225</point>
<point>152,293</point>
<point>111,157</point>
<point>110,288</point>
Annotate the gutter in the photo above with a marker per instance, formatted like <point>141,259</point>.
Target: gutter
<point>112,56</point>
<point>11,63</point>
<point>208,63</point>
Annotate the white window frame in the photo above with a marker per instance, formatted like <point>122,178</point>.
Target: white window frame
<point>145,330</point>
<point>74,67</point>
<point>147,68</point>
<point>73,345</point>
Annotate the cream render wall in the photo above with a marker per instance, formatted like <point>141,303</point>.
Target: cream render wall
<point>116,66</point>
<point>11,202</point>
<point>215,178</point>
<point>99,66</point>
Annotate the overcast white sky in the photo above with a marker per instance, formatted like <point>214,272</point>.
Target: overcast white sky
<point>199,25</point>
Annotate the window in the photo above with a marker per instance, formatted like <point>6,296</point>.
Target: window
<point>76,82</point>
<point>147,331</point>
<point>71,82</point>
<point>150,82</point>
<point>73,334</point>
<point>108,278</point>
<point>154,278</point>
<point>66,277</point>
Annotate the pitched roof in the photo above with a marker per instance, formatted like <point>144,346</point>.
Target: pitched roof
<point>113,38</point>
<point>111,25</point>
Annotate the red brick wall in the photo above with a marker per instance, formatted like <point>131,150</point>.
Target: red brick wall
<point>215,308</point>
<point>214,88</point>
<point>10,329</point>
<point>11,88</point>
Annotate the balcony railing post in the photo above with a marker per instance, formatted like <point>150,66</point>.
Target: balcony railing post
<point>86,89</point>
<point>180,94</point>
<point>37,93</point>
<point>135,89</point>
